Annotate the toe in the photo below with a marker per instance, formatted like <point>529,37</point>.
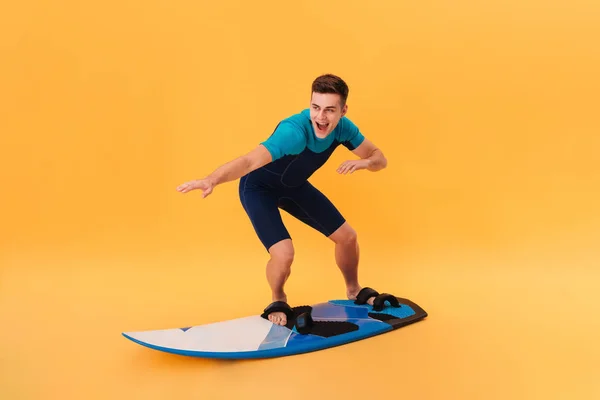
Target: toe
<point>278,318</point>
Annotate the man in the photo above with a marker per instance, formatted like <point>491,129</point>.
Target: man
<point>274,176</point>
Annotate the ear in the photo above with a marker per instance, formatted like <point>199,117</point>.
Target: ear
<point>344,109</point>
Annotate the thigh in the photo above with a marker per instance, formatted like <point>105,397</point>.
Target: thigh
<point>261,207</point>
<point>311,206</point>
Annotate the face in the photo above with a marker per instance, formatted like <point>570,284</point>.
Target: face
<point>326,112</point>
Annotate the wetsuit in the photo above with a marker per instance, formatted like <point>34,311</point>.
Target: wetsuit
<point>283,183</point>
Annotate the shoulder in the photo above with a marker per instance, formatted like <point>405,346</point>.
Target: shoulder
<point>348,133</point>
<point>301,119</point>
<point>297,125</point>
<point>290,136</point>
<point>346,129</point>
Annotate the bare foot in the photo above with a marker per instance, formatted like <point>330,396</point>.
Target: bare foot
<point>353,292</point>
<point>278,317</point>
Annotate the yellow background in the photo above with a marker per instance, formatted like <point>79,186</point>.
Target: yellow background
<point>487,216</point>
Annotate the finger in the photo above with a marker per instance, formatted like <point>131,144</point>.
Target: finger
<point>343,166</point>
<point>186,186</point>
<point>206,192</point>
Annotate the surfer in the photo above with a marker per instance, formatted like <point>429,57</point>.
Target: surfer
<point>274,175</point>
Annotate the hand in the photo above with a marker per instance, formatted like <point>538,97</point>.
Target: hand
<point>353,165</point>
<point>205,185</point>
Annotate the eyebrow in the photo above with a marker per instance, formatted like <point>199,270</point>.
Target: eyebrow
<point>325,107</point>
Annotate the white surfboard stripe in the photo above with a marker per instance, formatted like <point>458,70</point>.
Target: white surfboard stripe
<point>242,334</point>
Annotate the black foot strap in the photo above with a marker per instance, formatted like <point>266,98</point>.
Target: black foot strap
<point>379,302</point>
<point>278,306</point>
<point>304,323</point>
<point>365,294</point>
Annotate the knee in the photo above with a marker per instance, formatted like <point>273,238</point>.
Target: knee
<point>351,237</point>
<point>282,253</point>
<point>345,235</point>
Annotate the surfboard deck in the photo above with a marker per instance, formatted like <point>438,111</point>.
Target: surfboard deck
<point>335,322</point>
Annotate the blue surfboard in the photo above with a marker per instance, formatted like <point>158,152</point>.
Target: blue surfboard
<point>332,323</point>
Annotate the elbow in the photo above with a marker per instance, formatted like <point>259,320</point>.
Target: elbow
<point>249,164</point>
<point>383,162</point>
<point>256,158</point>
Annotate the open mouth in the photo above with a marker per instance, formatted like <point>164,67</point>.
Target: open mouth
<point>322,127</point>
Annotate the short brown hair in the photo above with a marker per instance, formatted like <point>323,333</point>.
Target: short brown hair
<point>330,83</point>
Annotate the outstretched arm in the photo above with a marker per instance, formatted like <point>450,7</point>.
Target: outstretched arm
<point>240,166</point>
<point>230,171</point>
<point>371,158</point>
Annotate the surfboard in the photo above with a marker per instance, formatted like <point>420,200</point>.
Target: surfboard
<point>317,327</point>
